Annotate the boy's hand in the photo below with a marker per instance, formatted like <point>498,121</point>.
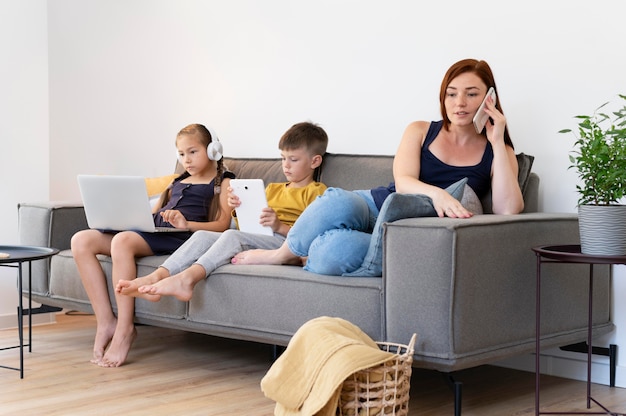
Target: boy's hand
<point>233,200</point>
<point>270,219</point>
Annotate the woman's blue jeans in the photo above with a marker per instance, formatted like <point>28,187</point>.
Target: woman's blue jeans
<point>334,231</point>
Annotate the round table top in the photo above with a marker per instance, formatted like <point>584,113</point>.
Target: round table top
<point>571,253</point>
<point>18,254</point>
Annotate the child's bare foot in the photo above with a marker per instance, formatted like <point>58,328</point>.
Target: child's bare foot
<point>119,348</point>
<point>104,335</point>
<point>130,287</point>
<point>259,256</point>
<point>180,285</point>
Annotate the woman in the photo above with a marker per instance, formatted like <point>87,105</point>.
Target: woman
<point>333,232</point>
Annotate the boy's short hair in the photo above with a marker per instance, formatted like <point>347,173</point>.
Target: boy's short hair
<point>305,135</point>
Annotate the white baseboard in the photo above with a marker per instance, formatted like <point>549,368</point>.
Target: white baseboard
<point>569,365</point>
<point>9,321</point>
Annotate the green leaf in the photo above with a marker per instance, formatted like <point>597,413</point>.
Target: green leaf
<point>599,155</point>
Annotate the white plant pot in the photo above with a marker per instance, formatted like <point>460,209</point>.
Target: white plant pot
<point>602,229</point>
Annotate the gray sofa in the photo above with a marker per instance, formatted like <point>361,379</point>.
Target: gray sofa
<point>466,287</point>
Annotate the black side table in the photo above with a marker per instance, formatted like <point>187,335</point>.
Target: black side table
<point>569,254</point>
<point>17,256</point>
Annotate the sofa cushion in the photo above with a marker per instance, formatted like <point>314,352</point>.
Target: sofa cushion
<point>156,186</point>
<point>471,202</point>
<point>274,301</point>
<point>525,163</point>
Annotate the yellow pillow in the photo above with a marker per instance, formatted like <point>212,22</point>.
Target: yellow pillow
<point>156,186</point>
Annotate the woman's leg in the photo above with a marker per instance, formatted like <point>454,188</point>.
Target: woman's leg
<point>335,209</point>
<point>86,245</point>
<point>230,243</point>
<point>337,252</point>
<point>125,248</point>
<point>198,244</point>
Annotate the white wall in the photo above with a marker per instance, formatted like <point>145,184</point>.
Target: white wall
<point>24,138</point>
<point>125,76</point>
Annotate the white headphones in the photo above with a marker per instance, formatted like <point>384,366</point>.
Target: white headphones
<point>214,150</point>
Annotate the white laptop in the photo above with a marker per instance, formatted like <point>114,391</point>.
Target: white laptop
<point>118,203</point>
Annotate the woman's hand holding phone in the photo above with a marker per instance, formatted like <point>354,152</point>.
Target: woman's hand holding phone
<point>480,118</point>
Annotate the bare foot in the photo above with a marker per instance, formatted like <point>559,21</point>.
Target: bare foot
<point>259,256</point>
<point>130,287</point>
<point>119,348</point>
<point>104,335</point>
<point>180,285</point>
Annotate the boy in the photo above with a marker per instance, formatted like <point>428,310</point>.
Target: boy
<point>302,148</point>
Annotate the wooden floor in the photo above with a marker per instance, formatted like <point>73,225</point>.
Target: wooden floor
<point>179,373</point>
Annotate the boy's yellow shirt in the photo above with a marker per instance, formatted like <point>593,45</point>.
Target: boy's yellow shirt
<point>288,203</point>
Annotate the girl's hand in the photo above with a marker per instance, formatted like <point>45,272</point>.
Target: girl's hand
<point>233,200</point>
<point>270,219</point>
<point>174,217</point>
<point>446,205</point>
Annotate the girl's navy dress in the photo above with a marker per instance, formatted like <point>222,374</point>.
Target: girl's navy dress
<point>193,201</point>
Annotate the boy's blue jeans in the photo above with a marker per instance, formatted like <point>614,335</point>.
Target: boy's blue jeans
<point>334,231</point>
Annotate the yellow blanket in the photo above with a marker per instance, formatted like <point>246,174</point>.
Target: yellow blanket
<point>306,379</point>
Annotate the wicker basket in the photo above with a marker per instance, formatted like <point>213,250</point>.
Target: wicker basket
<point>381,390</point>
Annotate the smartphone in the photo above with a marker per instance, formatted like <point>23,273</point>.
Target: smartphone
<point>480,119</point>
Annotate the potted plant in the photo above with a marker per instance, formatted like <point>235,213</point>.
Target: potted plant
<point>599,158</point>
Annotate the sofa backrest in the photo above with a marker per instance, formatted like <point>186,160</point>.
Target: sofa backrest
<point>352,171</point>
<point>268,169</point>
<point>345,171</point>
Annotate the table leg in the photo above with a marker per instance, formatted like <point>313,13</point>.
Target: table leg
<point>589,333</point>
<point>30,306</point>
<point>20,319</point>
<point>537,334</point>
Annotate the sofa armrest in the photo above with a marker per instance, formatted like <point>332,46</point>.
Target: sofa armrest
<point>467,287</point>
<point>50,224</point>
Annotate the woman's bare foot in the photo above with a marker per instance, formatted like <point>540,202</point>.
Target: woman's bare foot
<point>130,287</point>
<point>119,348</point>
<point>180,285</point>
<point>259,256</point>
<point>104,335</point>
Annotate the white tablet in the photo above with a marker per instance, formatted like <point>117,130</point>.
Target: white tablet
<point>480,118</point>
<point>251,193</point>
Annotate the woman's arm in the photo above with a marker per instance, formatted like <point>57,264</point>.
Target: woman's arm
<point>506,194</point>
<point>406,171</point>
<point>505,191</point>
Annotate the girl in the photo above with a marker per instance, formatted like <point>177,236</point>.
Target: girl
<point>193,201</point>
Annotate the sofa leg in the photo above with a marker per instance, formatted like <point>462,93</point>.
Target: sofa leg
<point>610,352</point>
<point>277,350</point>
<point>457,388</point>
<point>458,395</point>
<point>41,309</point>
